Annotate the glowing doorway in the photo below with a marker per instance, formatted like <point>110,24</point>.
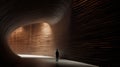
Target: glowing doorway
<point>34,39</point>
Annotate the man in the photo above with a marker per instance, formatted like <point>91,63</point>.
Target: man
<point>57,55</point>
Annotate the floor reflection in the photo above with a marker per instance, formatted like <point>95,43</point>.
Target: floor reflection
<point>49,62</point>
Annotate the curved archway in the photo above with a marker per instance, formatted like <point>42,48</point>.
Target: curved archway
<point>33,39</point>
<point>14,15</point>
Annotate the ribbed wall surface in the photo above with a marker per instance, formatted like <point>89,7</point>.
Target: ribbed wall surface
<point>95,32</point>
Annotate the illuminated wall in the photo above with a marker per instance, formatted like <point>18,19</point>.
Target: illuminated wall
<point>34,39</point>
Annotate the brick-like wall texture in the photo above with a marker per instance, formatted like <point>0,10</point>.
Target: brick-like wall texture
<point>41,39</point>
<point>34,39</point>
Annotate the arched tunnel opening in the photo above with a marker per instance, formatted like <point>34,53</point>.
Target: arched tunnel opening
<point>18,22</point>
<point>33,39</point>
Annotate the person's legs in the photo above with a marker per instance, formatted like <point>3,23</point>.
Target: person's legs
<point>57,59</point>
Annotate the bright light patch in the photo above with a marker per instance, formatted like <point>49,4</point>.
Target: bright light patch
<point>46,29</point>
<point>33,56</point>
<point>19,30</point>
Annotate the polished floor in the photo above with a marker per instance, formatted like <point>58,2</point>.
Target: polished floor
<point>50,62</point>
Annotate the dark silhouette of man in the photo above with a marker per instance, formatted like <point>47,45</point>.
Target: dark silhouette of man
<point>57,55</point>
